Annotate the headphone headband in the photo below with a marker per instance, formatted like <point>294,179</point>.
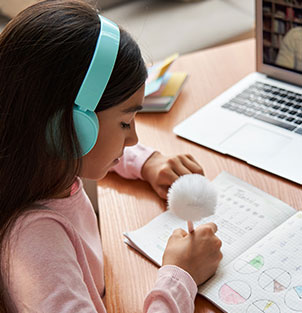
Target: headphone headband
<point>101,66</point>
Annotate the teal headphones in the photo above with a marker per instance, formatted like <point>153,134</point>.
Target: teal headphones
<point>85,120</point>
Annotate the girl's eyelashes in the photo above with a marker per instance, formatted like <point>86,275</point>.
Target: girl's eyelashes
<point>125,125</point>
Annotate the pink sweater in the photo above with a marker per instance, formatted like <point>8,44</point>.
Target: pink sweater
<point>57,261</point>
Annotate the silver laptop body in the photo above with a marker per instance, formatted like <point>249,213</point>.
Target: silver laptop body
<point>259,119</point>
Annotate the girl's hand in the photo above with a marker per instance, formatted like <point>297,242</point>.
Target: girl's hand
<point>161,171</point>
<point>198,252</point>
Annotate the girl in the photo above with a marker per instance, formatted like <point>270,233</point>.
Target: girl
<point>51,259</point>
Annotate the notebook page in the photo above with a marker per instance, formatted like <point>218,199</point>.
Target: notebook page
<point>151,239</point>
<point>266,278</point>
<point>244,215</point>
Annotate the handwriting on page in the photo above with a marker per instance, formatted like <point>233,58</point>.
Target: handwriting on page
<point>240,217</point>
<point>243,216</point>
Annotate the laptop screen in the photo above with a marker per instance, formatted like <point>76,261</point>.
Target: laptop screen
<point>282,34</point>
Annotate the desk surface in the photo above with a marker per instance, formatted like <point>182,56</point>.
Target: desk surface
<point>128,205</point>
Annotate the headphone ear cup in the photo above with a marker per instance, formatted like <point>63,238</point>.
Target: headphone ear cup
<point>86,125</point>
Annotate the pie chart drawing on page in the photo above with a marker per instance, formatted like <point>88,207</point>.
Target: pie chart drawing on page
<point>234,292</point>
<point>293,298</point>
<point>263,306</point>
<point>249,264</point>
<point>274,280</point>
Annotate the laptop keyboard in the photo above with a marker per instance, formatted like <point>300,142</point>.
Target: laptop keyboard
<point>269,104</point>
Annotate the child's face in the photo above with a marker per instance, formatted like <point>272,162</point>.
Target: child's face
<point>117,130</point>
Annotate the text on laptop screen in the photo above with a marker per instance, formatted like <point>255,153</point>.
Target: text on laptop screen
<point>282,34</point>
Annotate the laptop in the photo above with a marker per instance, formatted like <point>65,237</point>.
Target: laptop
<point>259,119</point>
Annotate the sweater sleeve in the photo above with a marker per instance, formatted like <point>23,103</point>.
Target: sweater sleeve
<point>45,275</point>
<point>131,163</point>
<point>174,292</point>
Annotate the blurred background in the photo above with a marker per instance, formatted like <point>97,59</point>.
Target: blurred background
<point>162,27</point>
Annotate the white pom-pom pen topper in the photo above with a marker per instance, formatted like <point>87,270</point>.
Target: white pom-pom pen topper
<point>192,197</point>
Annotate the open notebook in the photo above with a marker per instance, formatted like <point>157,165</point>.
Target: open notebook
<point>262,245</point>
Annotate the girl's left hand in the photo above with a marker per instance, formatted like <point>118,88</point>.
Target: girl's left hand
<point>161,171</point>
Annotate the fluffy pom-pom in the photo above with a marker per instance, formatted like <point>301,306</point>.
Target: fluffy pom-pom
<point>192,197</point>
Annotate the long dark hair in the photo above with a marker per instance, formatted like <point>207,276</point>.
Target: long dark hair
<point>44,54</point>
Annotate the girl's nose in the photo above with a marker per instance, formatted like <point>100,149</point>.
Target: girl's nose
<point>132,138</point>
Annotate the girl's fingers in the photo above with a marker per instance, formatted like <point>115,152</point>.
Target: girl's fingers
<point>162,191</point>
<point>183,165</point>
<point>175,167</point>
<point>191,164</point>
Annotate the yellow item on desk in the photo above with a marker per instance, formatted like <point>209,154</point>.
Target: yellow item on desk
<point>162,86</point>
<point>174,84</point>
<point>166,64</point>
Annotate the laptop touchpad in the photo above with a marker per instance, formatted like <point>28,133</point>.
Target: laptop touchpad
<point>250,142</point>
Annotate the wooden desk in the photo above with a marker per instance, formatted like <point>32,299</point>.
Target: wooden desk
<point>128,205</point>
